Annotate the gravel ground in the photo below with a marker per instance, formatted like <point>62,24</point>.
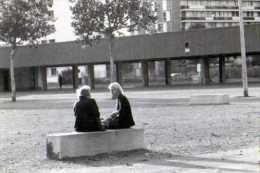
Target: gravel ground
<point>172,127</point>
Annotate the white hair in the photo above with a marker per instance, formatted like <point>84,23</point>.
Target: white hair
<point>83,91</point>
<point>116,86</point>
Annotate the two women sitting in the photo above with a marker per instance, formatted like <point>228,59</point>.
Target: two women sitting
<point>88,117</point>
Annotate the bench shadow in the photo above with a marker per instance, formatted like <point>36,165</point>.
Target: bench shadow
<point>148,157</point>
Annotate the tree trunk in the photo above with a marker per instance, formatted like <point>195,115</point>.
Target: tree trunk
<point>111,60</point>
<point>13,87</point>
<point>243,49</point>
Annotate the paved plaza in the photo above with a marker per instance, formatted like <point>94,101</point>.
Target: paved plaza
<point>179,137</point>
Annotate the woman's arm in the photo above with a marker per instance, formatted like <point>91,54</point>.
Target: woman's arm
<point>117,109</point>
<point>95,109</point>
<point>97,114</point>
<point>74,108</point>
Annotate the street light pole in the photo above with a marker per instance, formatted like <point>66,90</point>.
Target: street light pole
<point>243,49</point>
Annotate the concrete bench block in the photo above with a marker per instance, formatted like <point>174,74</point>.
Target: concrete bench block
<point>209,99</point>
<point>79,144</point>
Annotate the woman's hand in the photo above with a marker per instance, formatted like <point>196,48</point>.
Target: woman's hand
<point>114,114</point>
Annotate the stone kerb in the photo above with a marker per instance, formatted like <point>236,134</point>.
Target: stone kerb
<point>80,144</point>
<point>209,99</point>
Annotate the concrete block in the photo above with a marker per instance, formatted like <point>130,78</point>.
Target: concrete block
<point>209,99</point>
<point>79,144</point>
<point>127,139</point>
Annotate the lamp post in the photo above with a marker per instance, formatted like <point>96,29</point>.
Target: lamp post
<point>243,49</point>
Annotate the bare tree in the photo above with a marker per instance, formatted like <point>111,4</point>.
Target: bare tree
<point>23,22</point>
<point>95,19</point>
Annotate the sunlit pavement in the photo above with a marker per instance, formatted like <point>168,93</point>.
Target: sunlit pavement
<point>236,161</point>
<point>36,109</point>
<point>163,93</point>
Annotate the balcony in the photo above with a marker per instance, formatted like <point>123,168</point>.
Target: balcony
<point>193,18</point>
<point>235,18</point>
<point>222,18</point>
<point>209,18</point>
<point>209,8</point>
<point>184,7</point>
<point>221,7</point>
<point>249,18</point>
<point>197,7</point>
<point>248,8</point>
<point>192,7</point>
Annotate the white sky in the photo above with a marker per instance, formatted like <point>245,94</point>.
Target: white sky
<point>64,31</point>
<point>62,13</point>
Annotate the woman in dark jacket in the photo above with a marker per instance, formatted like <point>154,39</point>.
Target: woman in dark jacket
<point>86,112</point>
<point>122,117</point>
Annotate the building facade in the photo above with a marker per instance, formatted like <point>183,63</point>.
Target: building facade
<point>183,15</point>
<point>177,15</point>
<point>213,57</point>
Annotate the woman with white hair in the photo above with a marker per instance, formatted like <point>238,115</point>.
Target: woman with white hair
<point>122,117</point>
<point>86,112</point>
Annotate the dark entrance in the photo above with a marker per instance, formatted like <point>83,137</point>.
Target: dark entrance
<point>6,80</point>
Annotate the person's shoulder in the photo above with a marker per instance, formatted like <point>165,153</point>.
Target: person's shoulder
<point>122,97</point>
<point>76,103</point>
<point>92,100</point>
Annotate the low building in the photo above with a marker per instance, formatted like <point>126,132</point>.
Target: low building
<point>204,56</point>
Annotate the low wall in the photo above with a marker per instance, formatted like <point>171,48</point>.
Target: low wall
<point>209,100</point>
<point>80,144</point>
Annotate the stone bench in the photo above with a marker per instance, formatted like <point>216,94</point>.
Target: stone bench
<point>209,99</point>
<point>79,144</point>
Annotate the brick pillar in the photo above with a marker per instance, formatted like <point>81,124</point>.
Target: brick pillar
<point>119,72</point>
<point>91,76</point>
<point>145,71</point>
<point>35,75</point>
<point>75,80</point>
<point>167,72</point>
<point>222,69</point>
<point>205,76</point>
<point>42,78</point>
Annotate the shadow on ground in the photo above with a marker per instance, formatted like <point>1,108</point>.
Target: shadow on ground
<point>148,157</point>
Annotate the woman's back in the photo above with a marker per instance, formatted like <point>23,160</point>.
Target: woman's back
<point>125,113</point>
<point>87,115</point>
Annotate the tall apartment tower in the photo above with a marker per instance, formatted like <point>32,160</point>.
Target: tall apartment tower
<point>176,15</point>
<point>167,12</point>
<point>217,13</point>
<point>49,4</point>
